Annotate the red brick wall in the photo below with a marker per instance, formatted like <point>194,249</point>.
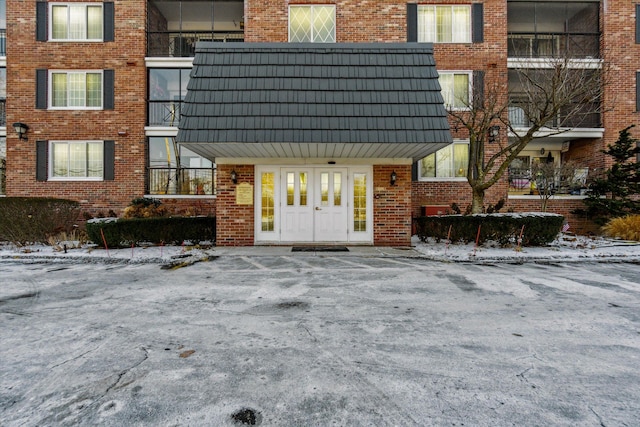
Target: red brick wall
<point>392,206</point>
<point>126,57</point>
<point>234,223</point>
<point>622,54</point>
<point>356,21</point>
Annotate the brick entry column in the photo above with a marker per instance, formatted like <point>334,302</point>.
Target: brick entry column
<point>234,223</point>
<point>391,206</point>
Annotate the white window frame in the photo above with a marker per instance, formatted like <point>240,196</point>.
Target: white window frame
<point>312,6</point>
<point>86,24</point>
<point>469,89</point>
<point>50,162</point>
<point>444,178</point>
<point>75,107</point>
<point>427,29</point>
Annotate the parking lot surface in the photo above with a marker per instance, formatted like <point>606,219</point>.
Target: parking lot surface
<point>319,340</point>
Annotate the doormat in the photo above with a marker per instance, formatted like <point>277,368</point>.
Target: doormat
<point>319,249</point>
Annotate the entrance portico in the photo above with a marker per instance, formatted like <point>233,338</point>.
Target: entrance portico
<point>313,134</point>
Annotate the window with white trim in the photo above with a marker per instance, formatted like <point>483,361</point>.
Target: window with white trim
<point>444,23</point>
<point>76,21</point>
<point>451,161</point>
<point>312,24</point>
<point>75,89</point>
<point>76,160</point>
<point>456,89</point>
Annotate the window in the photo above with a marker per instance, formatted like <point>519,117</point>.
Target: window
<point>167,89</point>
<point>312,24</point>
<point>456,89</point>
<point>76,21</point>
<point>77,89</point>
<point>76,160</point>
<point>449,162</point>
<point>444,24</point>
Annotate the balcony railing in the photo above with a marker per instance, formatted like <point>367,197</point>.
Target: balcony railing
<point>553,45</point>
<point>183,44</point>
<point>181,181</point>
<point>164,113</point>
<point>555,180</point>
<point>587,116</point>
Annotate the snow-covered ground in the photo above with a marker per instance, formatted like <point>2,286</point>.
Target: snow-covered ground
<point>567,247</point>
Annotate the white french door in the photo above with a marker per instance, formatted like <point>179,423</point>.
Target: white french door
<point>305,204</point>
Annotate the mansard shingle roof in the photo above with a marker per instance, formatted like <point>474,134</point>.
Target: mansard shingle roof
<point>314,100</point>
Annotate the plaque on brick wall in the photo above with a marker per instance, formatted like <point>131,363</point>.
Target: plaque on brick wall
<point>244,194</point>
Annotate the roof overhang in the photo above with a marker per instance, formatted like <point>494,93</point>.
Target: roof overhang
<point>286,100</point>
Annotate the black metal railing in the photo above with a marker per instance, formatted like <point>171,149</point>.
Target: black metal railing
<point>560,180</point>
<point>164,113</point>
<point>585,115</point>
<point>183,44</point>
<point>553,45</point>
<point>181,181</point>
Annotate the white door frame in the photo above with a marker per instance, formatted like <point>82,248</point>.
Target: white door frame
<point>270,231</point>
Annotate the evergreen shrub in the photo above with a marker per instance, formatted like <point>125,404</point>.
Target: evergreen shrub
<point>539,228</point>
<point>156,230</point>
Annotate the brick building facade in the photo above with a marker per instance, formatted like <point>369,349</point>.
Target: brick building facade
<point>143,50</point>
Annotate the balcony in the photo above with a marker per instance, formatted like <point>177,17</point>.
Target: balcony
<point>553,45</point>
<point>181,181</point>
<point>588,117</point>
<point>183,44</point>
<point>175,26</point>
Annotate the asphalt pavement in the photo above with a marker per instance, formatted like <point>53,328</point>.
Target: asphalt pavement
<point>318,339</point>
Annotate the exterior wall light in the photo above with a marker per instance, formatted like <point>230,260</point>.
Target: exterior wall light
<point>21,130</point>
<point>494,132</point>
<point>393,178</point>
<point>234,176</point>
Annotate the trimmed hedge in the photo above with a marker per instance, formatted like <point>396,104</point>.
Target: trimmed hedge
<point>25,220</point>
<point>539,228</point>
<point>169,230</point>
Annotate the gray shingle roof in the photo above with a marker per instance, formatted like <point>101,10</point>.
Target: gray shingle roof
<point>328,94</point>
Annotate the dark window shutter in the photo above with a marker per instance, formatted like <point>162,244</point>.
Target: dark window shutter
<point>109,159</point>
<point>412,22</point>
<point>637,91</point>
<point>108,14</point>
<point>41,21</point>
<point>478,89</point>
<point>108,100</point>
<point>477,23</point>
<point>41,89</point>
<point>414,171</point>
<point>42,149</point>
<point>638,23</point>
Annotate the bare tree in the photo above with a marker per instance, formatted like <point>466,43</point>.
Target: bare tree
<point>549,96</point>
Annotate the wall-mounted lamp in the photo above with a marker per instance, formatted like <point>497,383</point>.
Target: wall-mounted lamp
<point>21,130</point>
<point>494,132</point>
<point>234,176</point>
<point>393,178</point>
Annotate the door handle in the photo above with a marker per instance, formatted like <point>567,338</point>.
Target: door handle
<point>318,209</point>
